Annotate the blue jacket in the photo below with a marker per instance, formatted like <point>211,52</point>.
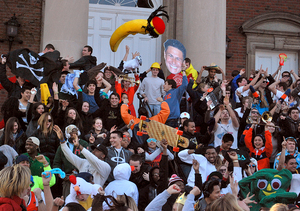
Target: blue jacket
<point>234,85</point>
<point>296,155</point>
<point>173,98</point>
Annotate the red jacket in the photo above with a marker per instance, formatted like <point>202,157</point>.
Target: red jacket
<point>130,93</point>
<point>262,155</point>
<point>14,204</point>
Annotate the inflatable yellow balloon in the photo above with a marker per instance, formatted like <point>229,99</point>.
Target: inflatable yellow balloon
<point>154,26</point>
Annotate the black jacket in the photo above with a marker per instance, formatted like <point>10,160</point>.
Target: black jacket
<point>13,89</point>
<point>149,192</point>
<point>84,63</point>
<point>138,179</point>
<point>48,145</point>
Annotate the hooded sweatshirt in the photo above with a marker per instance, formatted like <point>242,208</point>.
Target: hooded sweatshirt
<point>121,184</point>
<point>14,204</point>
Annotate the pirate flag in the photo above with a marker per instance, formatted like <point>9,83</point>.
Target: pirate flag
<point>34,68</point>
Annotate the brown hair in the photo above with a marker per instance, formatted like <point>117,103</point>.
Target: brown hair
<point>42,122</point>
<point>8,130</point>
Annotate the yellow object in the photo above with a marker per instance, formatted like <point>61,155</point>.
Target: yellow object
<point>45,93</point>
<point>194,73</point>
<point>86,204</point>
<point>131,27</point>
<point>155,65</point>
<point>181,199</point>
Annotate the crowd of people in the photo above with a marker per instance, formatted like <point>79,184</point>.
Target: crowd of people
<point>241,133</point>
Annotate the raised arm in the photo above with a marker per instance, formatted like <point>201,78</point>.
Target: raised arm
<point>198,81</point>
<point>276,72</point>
<point>282,156</point>
<point>253,82</point>
<point>217,117</point>
<point>127,53</point>
<point>99,79</point>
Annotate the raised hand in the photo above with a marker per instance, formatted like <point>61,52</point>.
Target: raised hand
<point>173,189</point>
<point>58,132</point>
<point>55,87</point>
<point>41,158</point>
<point>196,166</point>
<point>195,191</point>
<point>92,139</point>
<point>164,143</point>
<point>242,71</point>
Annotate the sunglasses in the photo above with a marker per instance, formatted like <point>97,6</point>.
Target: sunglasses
<point>254,112</point>
<point>49,120</point>
<point>219,180</point>
<point>222,170</point>
<point>151,139</point>
<point>265,82</point>
<point>252,166</point>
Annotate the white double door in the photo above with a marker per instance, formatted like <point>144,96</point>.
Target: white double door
<point>270,59</point>
<point>104,20</point>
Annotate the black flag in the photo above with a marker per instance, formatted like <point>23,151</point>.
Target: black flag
<point>34,68</point>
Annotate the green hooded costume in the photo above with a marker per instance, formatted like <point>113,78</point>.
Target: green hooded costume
<point>269,187</point>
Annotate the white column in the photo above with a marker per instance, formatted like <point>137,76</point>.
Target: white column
<point>204,32</point>
<point>65,26</point>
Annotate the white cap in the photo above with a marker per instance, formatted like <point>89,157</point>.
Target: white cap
<point>184,115</point>
<point>34,140</point>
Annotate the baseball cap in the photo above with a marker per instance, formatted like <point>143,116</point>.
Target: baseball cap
<point>35,140</point>
<point>185,115</point>
<point>101,148</point>
<point>215,173</point>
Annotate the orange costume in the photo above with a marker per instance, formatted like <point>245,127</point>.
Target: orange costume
<point>130,93</point>
<point>263,154</point>
<point>162,116</point>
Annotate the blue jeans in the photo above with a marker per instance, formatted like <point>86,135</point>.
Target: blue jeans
<point>155,108</point>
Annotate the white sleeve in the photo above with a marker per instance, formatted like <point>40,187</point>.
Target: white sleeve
<point>71,157</point>
<point>170,155</point>
<point>158,202</point>
<point>237,174</point>
<point>142,87</point>
<point>152,156</point>
<point>189,203</point>
<point>186,157</point>
<point>101,166</point>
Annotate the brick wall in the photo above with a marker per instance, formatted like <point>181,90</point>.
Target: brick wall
<point>240,11</point>
<point>28,13</point>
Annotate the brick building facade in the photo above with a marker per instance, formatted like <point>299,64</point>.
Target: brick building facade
<point>238,12</point>
<point>29,15</point>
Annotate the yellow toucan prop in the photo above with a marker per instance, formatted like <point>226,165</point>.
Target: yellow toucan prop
<point>154,26</point>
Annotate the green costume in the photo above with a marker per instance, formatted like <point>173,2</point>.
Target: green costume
<point>269,187</point>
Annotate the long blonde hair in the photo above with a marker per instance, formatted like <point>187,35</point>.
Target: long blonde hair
<point>129,202</point>
<point>14,180</point>
<point>225,203</point>
<point>42,122</point>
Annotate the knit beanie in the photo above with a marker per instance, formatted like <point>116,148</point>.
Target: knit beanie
<point>21,158</point>
<point>174,178</point>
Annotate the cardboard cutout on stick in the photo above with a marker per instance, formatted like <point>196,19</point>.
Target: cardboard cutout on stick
<point>174,55</point>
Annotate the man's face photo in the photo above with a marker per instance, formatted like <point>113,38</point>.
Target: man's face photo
<point>173,59</point>
<point>174,55</point>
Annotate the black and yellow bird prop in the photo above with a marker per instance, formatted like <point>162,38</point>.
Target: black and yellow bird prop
<point>154,26</point>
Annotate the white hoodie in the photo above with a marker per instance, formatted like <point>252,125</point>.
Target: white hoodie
<point>121,184</point>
